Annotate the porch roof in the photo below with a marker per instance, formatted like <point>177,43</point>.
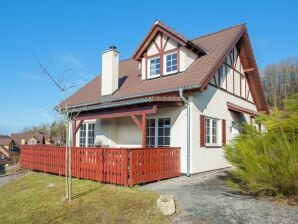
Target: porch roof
<point>121,103</point>
<point>127,112</point>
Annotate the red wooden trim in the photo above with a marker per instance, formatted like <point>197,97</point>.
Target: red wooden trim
<point>78,127</point>
<point>226,76</point>
<point>163,52</point>
<point>220,61</point>
<point>240,85</point>
<point>164,47</point>
<point>219,74</point>
<point>144,124</point>
<point>161,35</point>
<point>233,82</point>
<point>214,79</point>
<point>223,125</point>
<point>178,58</point>
<point>135,119</point>
<point>156,29</point>
<point>202,131</point>
<point>74,137</point>
<point>146,66</point>
<point>156,45</point>
<point>240,109</point>
<point>247,70</point>
<point>226,91</point>
<point>119,113</point>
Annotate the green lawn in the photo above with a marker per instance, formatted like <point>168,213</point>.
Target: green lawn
<point>30,200</point>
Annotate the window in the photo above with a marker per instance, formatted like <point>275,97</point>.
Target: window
<point>154,68</point>
<point>171,63</point>
<point>87,135</point>
<point>212,138</point>
<point>158,132</point>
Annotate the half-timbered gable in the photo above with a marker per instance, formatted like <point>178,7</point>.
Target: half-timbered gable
<point>164,52</point>
<point>231,77</point>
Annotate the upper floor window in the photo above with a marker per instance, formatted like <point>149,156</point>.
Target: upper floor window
<point>154,68</point>
<point>171,63</point>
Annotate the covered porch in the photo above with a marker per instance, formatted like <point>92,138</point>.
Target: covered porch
<point>135,126</point>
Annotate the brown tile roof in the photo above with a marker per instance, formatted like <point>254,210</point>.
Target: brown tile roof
<point>5,140</point>
<point>131,84</point>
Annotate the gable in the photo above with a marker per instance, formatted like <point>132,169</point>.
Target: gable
<point>159,27</point>
<point>231,77</point>
<point>161,46</point>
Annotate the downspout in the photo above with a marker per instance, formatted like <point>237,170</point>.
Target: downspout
<point>186,102</point>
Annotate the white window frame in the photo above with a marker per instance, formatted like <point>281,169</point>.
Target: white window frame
<point>165,63</point>
<point>151,76</point>
<point>88,126</point>
<point>156,119</point>
<point>218,133</point>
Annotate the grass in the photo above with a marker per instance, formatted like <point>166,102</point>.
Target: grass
<point>30,200</point>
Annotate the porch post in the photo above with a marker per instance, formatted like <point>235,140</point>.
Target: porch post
<point>144,123</point>
<point>75,130</point>
<point>74,133</point>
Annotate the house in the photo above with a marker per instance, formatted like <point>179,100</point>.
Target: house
<point>7,142</point>
<point>4,159</point>
<point>173,92</point>
<point>35,138</point>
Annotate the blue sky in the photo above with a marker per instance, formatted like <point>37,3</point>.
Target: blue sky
<point>72,34</point>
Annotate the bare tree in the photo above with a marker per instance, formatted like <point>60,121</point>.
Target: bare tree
<point>280,81</point>
<point>63,86</point>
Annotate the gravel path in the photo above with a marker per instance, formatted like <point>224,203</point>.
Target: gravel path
<point>204,198</point>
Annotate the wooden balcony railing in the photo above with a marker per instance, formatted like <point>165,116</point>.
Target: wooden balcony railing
<point>120,166</point>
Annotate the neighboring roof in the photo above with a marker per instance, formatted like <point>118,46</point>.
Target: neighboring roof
<point>4,151</point>
<point>39,136</point>
<point>197,76</point>
<point>5,140</point>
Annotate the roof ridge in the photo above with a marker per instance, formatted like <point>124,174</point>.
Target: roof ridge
<point>219,31</point>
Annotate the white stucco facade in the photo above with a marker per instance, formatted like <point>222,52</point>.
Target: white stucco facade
<point>228,85</point>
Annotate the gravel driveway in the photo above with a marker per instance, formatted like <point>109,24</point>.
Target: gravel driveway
<point>204,198</point>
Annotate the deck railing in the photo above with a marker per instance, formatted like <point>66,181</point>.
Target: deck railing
<point>120,166</point>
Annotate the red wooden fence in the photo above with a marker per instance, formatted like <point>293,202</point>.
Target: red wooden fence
<point>108,165</point>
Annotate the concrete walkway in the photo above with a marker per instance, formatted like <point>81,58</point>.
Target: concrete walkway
<point>205,198</point>
<point>4,179</point>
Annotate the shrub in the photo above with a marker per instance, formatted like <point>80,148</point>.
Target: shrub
<point>267,163</point>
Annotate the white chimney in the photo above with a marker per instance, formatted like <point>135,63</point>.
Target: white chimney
<point>110,71</point>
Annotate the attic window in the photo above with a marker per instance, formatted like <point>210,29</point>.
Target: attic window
<point>154,68</point>
<point>171,63</point>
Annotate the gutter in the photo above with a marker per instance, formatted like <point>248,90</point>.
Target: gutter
<point>188,130</point>
<point>128,100</point>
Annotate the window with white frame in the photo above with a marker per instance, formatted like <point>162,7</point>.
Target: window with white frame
<point>171,63</point>
<point>158,132</point>
<point>212,131</point>
<point>87,135</point>
<point>154,67</point>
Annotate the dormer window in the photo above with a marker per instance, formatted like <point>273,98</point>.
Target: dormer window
<point>154,67</point>
<point>171,63</point>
